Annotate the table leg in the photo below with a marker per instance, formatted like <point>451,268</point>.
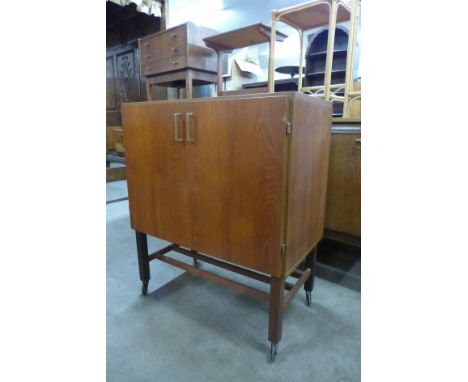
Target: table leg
<point>188,84</point>
<point>275,328</point>
<point>310,262</point>
<point>149,91</point>
<point>143,261</point>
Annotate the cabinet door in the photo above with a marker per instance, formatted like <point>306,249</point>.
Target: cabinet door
<point>235,170</point>
<point>157,170</point>
<point>343,212</point>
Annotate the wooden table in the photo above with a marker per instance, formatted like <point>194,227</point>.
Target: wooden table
<point>239,38</point>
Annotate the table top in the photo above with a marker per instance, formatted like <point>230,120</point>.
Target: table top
<point>314,14</point>
<point>240,38</point>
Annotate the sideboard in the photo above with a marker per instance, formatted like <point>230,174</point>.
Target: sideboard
<point>236,181</point>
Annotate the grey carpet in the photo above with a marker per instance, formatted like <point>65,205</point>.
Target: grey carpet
<point>190,329</point>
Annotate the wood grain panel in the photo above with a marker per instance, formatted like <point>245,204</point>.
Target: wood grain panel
<point>110,84</point>
<point>344,183</point>
<point>236,179</point>
<point>308,172</point>
<point>127,77</point>
<point>156,171</point>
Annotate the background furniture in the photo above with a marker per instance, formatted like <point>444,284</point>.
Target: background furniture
<point>292,70</point>
<point>343,218</point>
<point>316,56</point>
<point>317,14</point>
<point>125,23</point>
<point>177,57</point>
<point>239,38</point>
<point>239,178</point>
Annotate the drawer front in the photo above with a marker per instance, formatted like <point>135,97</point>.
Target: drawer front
<point>152,55</point>
<point>169,65</point>
<point>166,39</point>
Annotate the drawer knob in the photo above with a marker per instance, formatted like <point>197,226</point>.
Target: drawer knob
<point>173,62</point>
<point>358,143</point>
<point>174,35</point>
<point>146,43</point>
<point>174,49</point>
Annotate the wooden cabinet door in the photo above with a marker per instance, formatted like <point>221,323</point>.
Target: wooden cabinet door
<point>157,171</point>
<point>343,211</point>
<point>235,170</point>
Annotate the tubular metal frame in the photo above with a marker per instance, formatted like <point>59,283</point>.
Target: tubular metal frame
<point>326,91</point>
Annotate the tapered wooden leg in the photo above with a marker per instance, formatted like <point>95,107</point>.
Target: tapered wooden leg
<point>310,262</point>
<point>275,328</point>
<point>188,84</point>
<point>149,91</point>
<point>143,261</point>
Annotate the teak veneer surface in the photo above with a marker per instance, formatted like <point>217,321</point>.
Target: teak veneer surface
<point>236,192</point>
<point>344,183</point>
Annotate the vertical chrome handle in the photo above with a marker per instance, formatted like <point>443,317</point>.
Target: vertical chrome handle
<point>188,119</point>
<point>176,128</point>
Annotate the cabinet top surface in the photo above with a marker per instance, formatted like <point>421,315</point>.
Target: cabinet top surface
<point>287,94</point>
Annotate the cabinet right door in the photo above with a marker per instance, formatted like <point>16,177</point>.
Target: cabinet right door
<point>235,171</point>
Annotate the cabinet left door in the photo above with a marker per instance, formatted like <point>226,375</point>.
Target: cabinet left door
<point>156,161</point>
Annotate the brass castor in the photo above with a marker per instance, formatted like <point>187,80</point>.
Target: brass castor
<point>144,288</point>
<point>273,351</point>
<point>308,298</point>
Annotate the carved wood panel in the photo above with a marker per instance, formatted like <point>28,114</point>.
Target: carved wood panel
<point>110,84</point>
<point>124,83</point>
<point>127,77</point>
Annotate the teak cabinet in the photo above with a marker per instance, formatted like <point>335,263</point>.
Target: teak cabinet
<point>241,179</point>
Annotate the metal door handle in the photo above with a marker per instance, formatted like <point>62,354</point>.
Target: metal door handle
<point>188,119</point>
<point>176,128</point>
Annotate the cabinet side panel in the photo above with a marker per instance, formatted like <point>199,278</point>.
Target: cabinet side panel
<point>308,173</point>
<point>137,156</point>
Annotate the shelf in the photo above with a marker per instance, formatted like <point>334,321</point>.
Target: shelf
<point>337,52</point>
<point>323,73</point>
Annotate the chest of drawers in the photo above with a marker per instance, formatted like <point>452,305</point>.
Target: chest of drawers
<point>177,48</point>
